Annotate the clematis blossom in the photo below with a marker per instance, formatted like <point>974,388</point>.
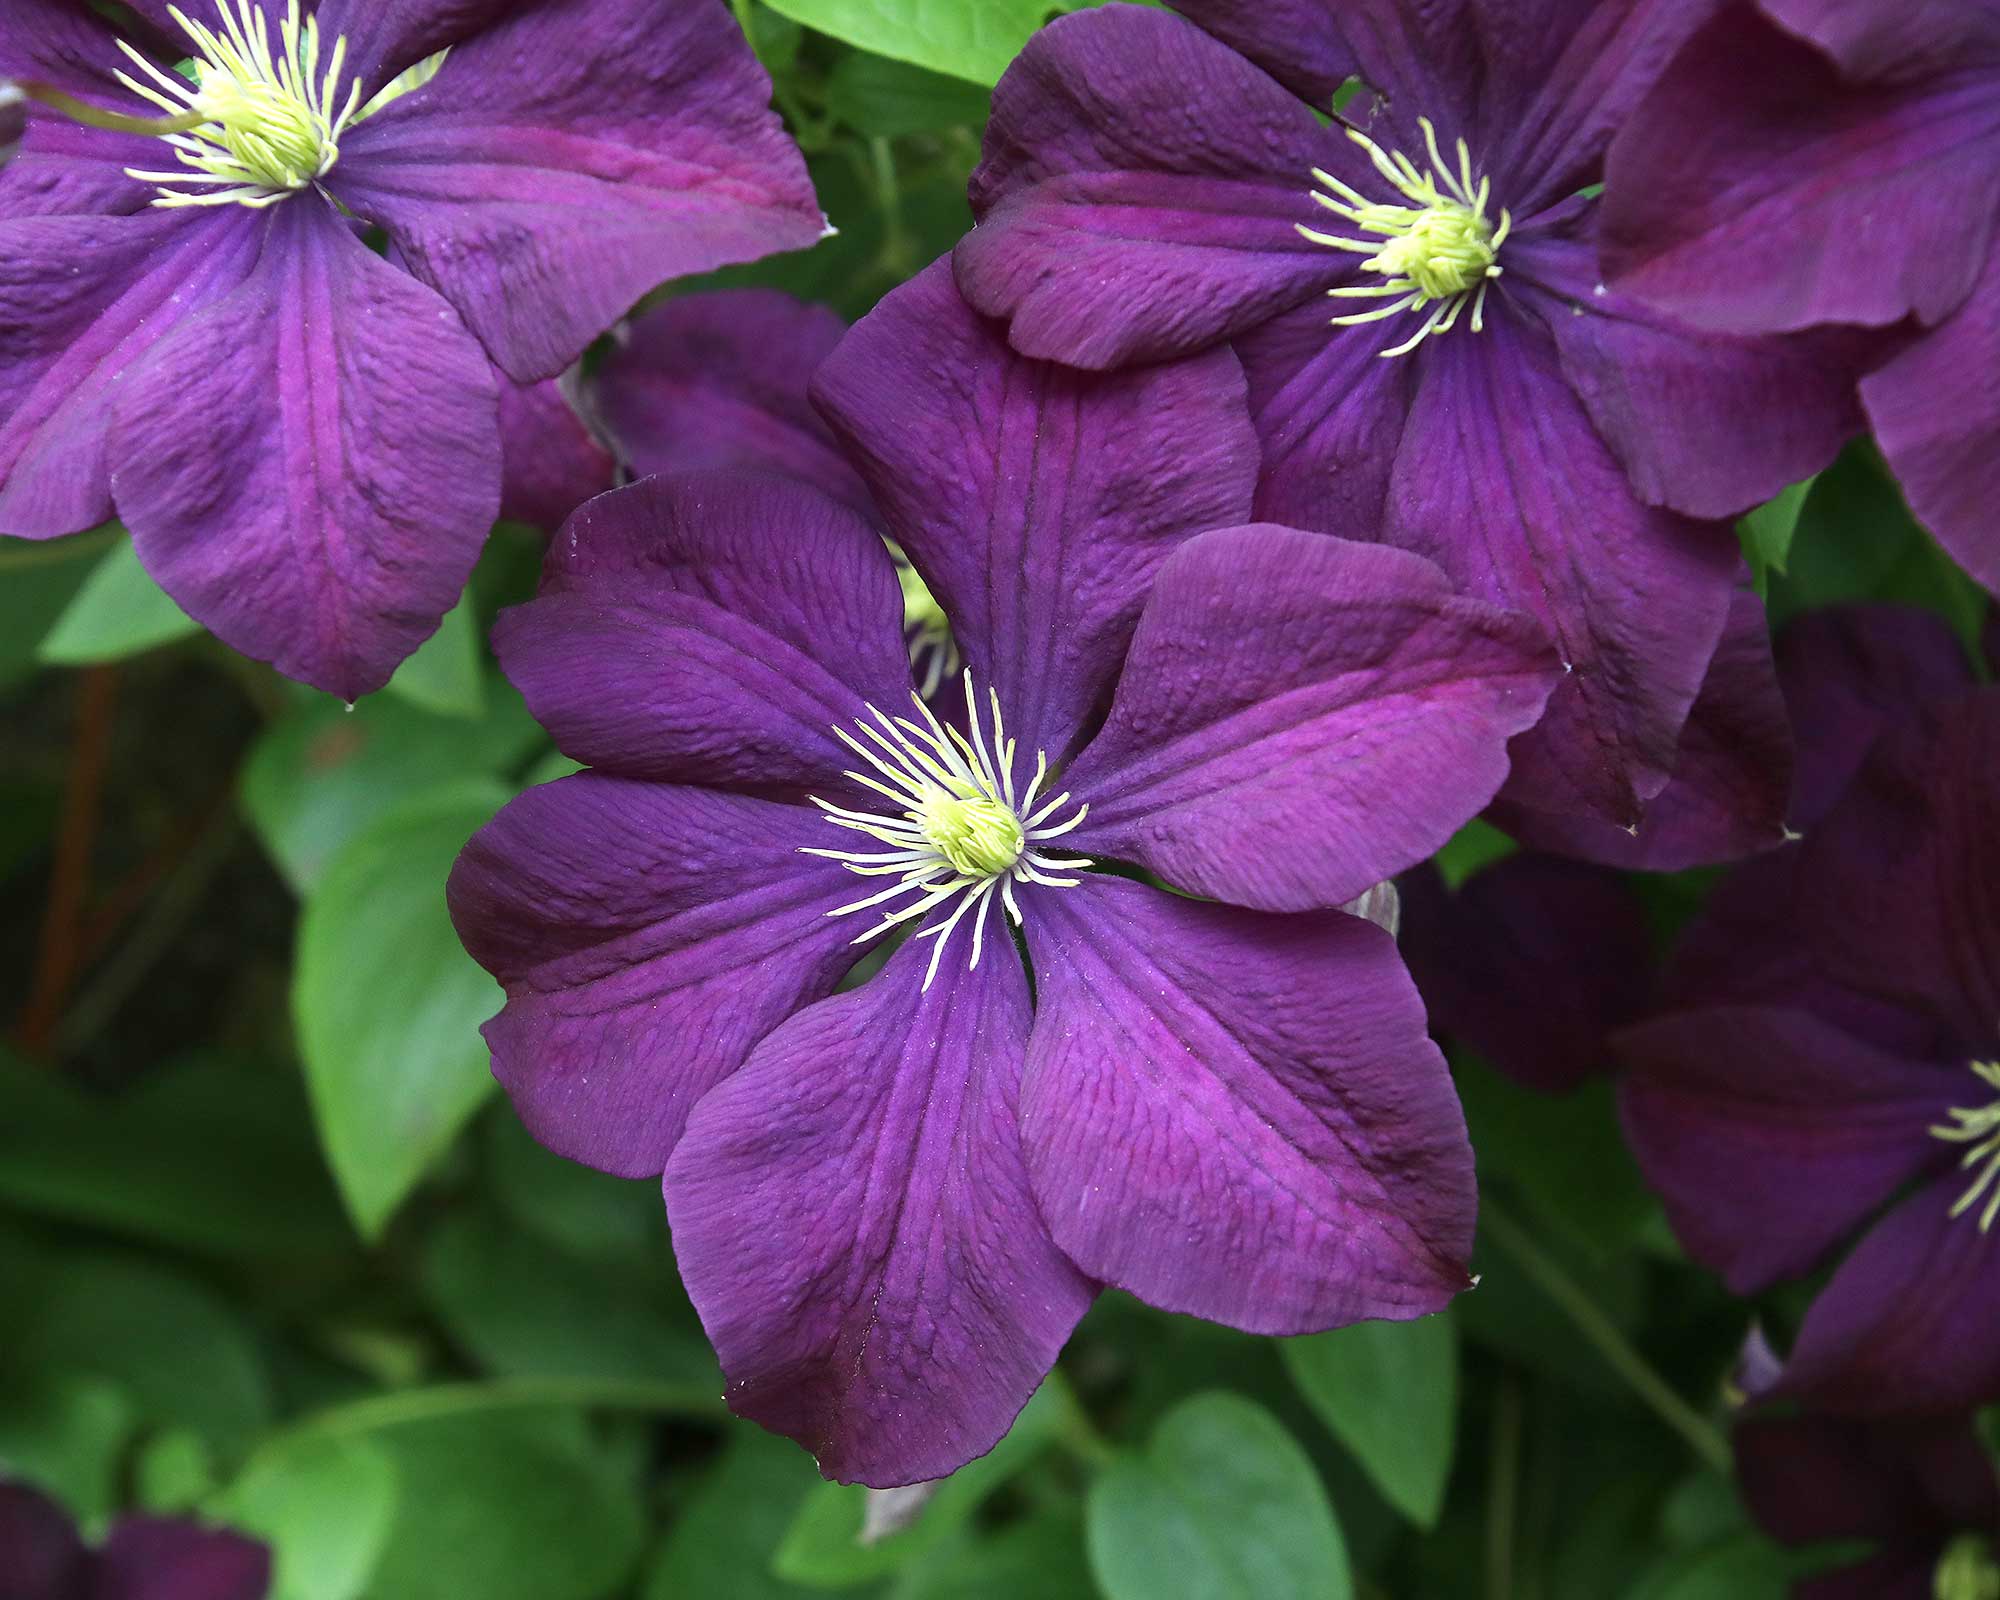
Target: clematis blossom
<point>892,1203</point>
<point>1415,295</point>
<point>1803,163</point>
<point>144,1558</point>
<point>1827,1064</point>
<point>305,437</point>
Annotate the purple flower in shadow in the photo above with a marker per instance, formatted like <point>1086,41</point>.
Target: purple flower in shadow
<point>1471,392</point>
<point>891,1204</point>
<point>145,1558</point>
<point>1828,1062</point>
<point>303,436</point>
<point>1806,162</point>
<point>1922,1492</point>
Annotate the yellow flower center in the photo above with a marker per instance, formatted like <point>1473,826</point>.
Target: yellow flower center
<point>977,834</point>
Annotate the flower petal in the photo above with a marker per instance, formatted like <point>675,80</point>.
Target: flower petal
<point>1301,717</point>
<point>1037,502</point>
<point>63,43</point>
<point>1296,41</point>
<point>162,1558</point>
<point>719,380</point>
<point>1906,1326</point>
<point>1871,39</point>
<point>1141,194</point>
<point>1635,597</point>
<point>1239,1115</point>
<point>81,300</point>
<point>570,158</point>
<point>65,169</point>
<point>386,37</point>
<point>1763,1171</point>
<point>550,464</point>
<point>713,628</point>
<point>1709,424</point>
<point>39,1547</point>
<point>1732,782</point>
<point>1810,1478</point>
<point>853,1221</point>
<point>310,465</point>
<point>647,937</point>
<point>1742,195</point>
<point>1936,413</point>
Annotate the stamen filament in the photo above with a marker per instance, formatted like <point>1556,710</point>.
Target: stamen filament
<point>1979,1127</point>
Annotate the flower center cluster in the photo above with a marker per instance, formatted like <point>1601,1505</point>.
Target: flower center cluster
<point>927,632</point>
<point>1968,1571</point>
<point>958,827</point>
<point>1979,1127</point>
<point>1438,249</point>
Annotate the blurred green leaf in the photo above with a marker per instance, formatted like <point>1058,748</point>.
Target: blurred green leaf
<point>1476,845</point>
<point>325,1506</point>
<point>1042,1557</point>
<point>118,612</point>
<point>823,1548</point>
<point>446,675</point>
<point>38,580</point>
<point>971,39</point>
<point>1743,1568</point>
<point>892,99</point>
<point>387,1003</point>
<point>506,1506</point>
<point>214,1154</point>
<point>1389,1392</point>
<point>322,774</point>
<point>174,1470</point>
<point>582,1212</point>
<point>1767,532</point>
<point>66,1434</point>
<point>723,1540</point>
<point>1223,1505</point>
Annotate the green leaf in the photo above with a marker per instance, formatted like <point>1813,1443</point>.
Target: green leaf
<point>213,1154</point>
<point>1223,1505</point>
<point>445,674</point>
<point>1475,846</point>
<point>579,1211</point>
<point>66,1433</point>
<point>721,1542</point>
<point>891,99</point>
<point>388,1005</point>
<point>1743,1568</point>
<point>174,1470</point>
<point>322,774</point>
<point>1389,1392</point>
<point>118,612</point>
<point>324,1505</point>
<point>1767,531</point>
<point>972,39</point>
<point>38,580</point>
<point>506,1506</point>
<point>823,1546</point>
<point>1043,1557</point>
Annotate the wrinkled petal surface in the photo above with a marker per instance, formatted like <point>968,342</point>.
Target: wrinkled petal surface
<point>853,1220</point>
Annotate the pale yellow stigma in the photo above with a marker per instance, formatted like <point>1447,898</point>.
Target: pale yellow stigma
<point>1440,249</point>
<point>1979,1126</point>
<point>979,836</point>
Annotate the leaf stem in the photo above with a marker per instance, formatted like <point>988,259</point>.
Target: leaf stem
<point>1619,1353</point>
<point>433,1401</point>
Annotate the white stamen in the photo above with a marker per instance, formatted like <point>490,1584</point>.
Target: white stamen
<point>1980,1128</point>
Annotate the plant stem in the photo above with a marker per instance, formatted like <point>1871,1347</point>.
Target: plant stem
<point>1503,1488</point>
<point>1618,1352</point>
<point>433,1401</point>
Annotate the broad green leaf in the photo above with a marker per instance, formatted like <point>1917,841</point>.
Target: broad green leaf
<point>118,612</point>
<point>823,1548</point>
<point>1476,845</point>
<point>213,1154</point>
<point>38,580</point>
<point>322,773</point>
<point>388,1005</point>
<point>1767,532</point>
<point>445,674</point>
<point>66,1434</point>
<point>971,39</point>
<point>175,1469</point>
<point>1043,1557</point>
<point>890,99</point>
<point>1743,1568</point>
<point>1223,1505</point>
<point>722,1541</point>
<point>506,1506</point>
<point>1389,1392</point>
<point>579,1211</point>
<point>324,1505</point>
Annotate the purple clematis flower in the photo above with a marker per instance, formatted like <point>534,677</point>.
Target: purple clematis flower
<point>1832,1041</point>
<point>145,1558</point>
<point>303,436</point>
<point>1923,1492</point>
<point>1151,187</point>
<point>891,1204</point>
<point>1838,161</point>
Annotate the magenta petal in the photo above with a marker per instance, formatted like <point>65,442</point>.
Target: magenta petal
<point>713,628</point>
<point>1037,502</point>
<point>719,380</point>
<point>550,463</point>
<point>1301,717</point>
<point>853,1220</point>
<point>1906,1572</point>
<point>1636,597</point>
<point>311,465</point>
<point>647,938</point>
<point>1812,1478</point>
<point>1895,38</point>
<point>65,43</point>
<point>1240,1116</point>
<point>41,1556</point>
<point>1906,1326</point>
<point>1141,194</point>
<point>1936,413</point>
<point>572,157</point>
<point>160,1558</point>
<point>1296,41</point>
<point>384,37</point>
<point>65,169</point>
<point>1732,783</point>
<point>1753,153</point>
<point>81,300</point>
<point>1763,1171</point>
